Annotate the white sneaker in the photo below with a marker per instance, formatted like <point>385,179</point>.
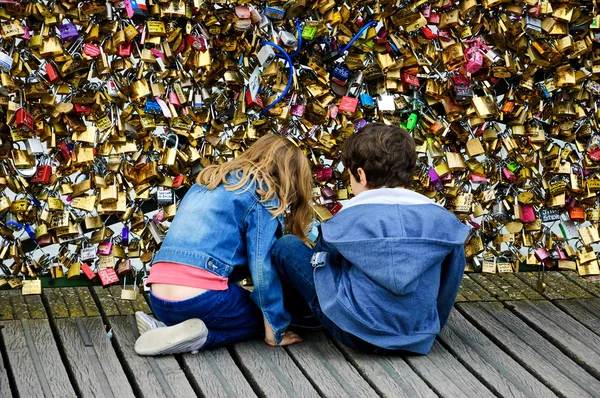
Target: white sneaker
<point>187,336</point>
<point>145,322</point>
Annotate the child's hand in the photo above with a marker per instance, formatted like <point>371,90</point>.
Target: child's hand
<point>289,338</point>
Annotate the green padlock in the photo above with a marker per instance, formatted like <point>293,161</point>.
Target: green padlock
<point>309,32</point>
<point>513,166</point>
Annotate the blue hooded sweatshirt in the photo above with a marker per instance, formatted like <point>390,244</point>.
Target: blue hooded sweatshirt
<point>396,260</point>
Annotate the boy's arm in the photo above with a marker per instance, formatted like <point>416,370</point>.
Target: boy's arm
<point>453,268</point>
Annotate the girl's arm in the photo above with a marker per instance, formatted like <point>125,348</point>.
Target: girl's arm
<point>261,234</point>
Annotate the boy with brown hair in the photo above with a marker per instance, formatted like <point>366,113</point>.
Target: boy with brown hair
<point>386,269</point>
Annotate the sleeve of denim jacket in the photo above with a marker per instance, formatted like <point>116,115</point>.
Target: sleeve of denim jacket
<point>261,235</point>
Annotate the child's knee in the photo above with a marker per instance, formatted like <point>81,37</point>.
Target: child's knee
<point>287,244</point>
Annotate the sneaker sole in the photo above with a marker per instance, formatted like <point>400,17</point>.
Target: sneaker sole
<point>170,340</point>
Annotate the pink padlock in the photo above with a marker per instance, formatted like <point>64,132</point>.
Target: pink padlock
<point>527,213</point>
<point>474,59</point>
<point>297,110</point>
<point>562,254</point>
<point>509,174</point>
<point>104,248</point>
<point>174,99</point>
<point>478,178</point>
<point>542,253</point>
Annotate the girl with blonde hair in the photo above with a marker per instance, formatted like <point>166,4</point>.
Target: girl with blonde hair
<point>226,223</point>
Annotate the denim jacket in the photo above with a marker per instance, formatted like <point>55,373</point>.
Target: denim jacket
<point>388,268</point>
<point>220,230</point>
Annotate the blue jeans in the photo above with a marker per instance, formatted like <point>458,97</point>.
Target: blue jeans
<point>292,259</point>
<point>230,315</point>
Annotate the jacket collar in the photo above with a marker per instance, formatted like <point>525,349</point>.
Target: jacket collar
<point>389,196</point>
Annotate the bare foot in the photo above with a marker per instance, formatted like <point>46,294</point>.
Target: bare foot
<point>289,338</point>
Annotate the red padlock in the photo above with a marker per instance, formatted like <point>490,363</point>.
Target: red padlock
<point>23,119</point>
<point>577,213</point>
<point>197,43</point>
<point>324,174</point>
<point>42,174</point>
<point>124,50</point>
<point>256,102</point>
<point>52,73</point>
<point>65,150</point>
<point>82,109</point>
<point>178,180</point>
<point>337,206</point>
<point>410,80</point>
<point>108,276</point>
<point>348,104</point>
<point>124,266</point>
<point>88,271</point>
<point>91,50</point>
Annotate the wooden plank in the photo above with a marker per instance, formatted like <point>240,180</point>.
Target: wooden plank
<point>326,367</point>
<point>72,300</point>
<point>564,331</point>
<point>154,376</point>
<point>539,356</point>
<point>36,307</point>
<point>105,300</point>
<point>20,310</point>
<point>87,301</point>
<point>93,361</point>
<point>580,312</point>
<point>34,357</point>
<point>460,298</point>
<point>474,292</point>
<point>215,374</point>
<point>589,284</point>
<point>140,304</point>
<point>527,292</point>
<point>57,303</point>
<point>124,306</point>
<point>272,370</point>
<point>501,373</point>
<point>446,375</point>
<point>488,282</point>
<point>5,389</point>
<point>390,376</point>
<point>6,312</point>
<point>593,305</point>
<point>27,382</point>
<point>558,287</point>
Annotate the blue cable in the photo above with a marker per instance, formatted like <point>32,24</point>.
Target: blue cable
<point>299,34</point>
<point>327,43</point>
<point>290,76</point>
<point>357,35</point>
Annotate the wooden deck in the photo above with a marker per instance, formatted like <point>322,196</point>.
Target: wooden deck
<point>503,340</point>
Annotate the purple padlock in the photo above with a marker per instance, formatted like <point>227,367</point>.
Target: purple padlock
<point>125,236</point>
<point>359,124</point>
<point>68,32</point>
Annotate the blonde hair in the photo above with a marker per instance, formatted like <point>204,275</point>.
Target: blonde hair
<point>280,170</point>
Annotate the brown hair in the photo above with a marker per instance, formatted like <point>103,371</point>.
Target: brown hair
<point>279,169</point>
<point>386,154</point>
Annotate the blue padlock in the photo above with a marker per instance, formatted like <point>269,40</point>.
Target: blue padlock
<point>275,13</point>
<point>367,101</point>
<point>30,232</point>
<point>545,92</point>
<point>152,108</point>
<point>340,75</point>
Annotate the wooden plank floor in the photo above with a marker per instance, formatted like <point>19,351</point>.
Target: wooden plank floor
<point>503,339</point>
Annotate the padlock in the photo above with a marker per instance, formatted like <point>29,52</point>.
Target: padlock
<point>43,172</point>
